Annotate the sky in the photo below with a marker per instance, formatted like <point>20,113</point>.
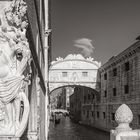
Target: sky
<point>109,25</point>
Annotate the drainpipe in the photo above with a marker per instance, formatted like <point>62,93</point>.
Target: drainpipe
<point>46,47</point>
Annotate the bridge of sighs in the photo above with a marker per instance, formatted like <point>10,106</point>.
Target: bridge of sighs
<point>73,70</point>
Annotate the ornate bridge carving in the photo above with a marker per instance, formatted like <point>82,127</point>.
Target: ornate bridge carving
<point>73,70</point>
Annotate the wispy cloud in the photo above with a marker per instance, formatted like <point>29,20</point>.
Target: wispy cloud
<point>86,46</point>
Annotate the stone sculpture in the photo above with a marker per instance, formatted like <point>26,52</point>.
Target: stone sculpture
<point>123,131</point>
<point>14,58</point>
<point>123,117</point>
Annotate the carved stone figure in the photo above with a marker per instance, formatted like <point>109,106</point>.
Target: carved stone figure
<point>14,57</point>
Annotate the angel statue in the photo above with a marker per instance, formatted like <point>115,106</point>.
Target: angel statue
<point>14,57</point>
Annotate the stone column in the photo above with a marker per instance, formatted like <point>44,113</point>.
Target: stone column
<point>46,45</point>
<point>33,116</point>
<point>124,117</point>
<point>47,110</point>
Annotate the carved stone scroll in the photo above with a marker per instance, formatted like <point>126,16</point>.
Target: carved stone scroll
<point>14,58</point>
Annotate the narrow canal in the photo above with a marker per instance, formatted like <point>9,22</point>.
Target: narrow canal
<point>67,130</point>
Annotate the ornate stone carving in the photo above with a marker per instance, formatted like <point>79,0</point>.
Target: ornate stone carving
<point>123,117</point>
<point>14,57</point>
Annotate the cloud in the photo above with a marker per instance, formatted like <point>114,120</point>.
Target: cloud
<point>85,45</point>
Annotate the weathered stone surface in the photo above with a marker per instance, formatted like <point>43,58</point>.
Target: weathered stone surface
<point>14,58</point>
<point>123,117</point>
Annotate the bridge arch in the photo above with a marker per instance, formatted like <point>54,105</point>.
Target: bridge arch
<point>73,86</point>
<point>73,70</point>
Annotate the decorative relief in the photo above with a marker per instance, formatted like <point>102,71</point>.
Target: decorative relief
<point>74,77</point>
<point>76,57</point>
<point>123,117</point>
<point>59,59</point>
<point>14,58</point>
<point>90,59</point>
<point>74,65</point>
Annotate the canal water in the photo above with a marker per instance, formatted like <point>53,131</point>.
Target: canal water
<point>68,130</point>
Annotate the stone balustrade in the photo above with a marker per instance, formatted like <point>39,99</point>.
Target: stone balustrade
<point>124,117</point>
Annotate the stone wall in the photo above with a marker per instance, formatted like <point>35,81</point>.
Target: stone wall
<point>120,83</point>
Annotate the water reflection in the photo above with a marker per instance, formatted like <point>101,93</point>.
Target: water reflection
<point>68,130</point>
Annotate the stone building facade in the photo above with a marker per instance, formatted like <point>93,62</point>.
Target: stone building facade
<point>88,110</point>
<point>120,83</point>
<point>75,104</point>
<point>119,80</point>
<point>82,105</point>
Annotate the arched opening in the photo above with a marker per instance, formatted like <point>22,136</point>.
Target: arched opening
<point>74,90</point>
<point>74,99</point>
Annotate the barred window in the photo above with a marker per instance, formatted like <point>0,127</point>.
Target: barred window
<point>64,74</point>
<point>84,99</point>
<point>126,89</point>
<point>138,119</point>
<point>88,96</point>
<point>104,115</point>
<point>87,114</point>
<point>114,91</point>
<point>127,66</point>
<point>92,113</point>
<point>105,76</point>
<point>105,93</point>
<point>115,72</point>
<point>113,116</point>
<point>84,74</point>
<point>98,114</point>
<point>93,96</point>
